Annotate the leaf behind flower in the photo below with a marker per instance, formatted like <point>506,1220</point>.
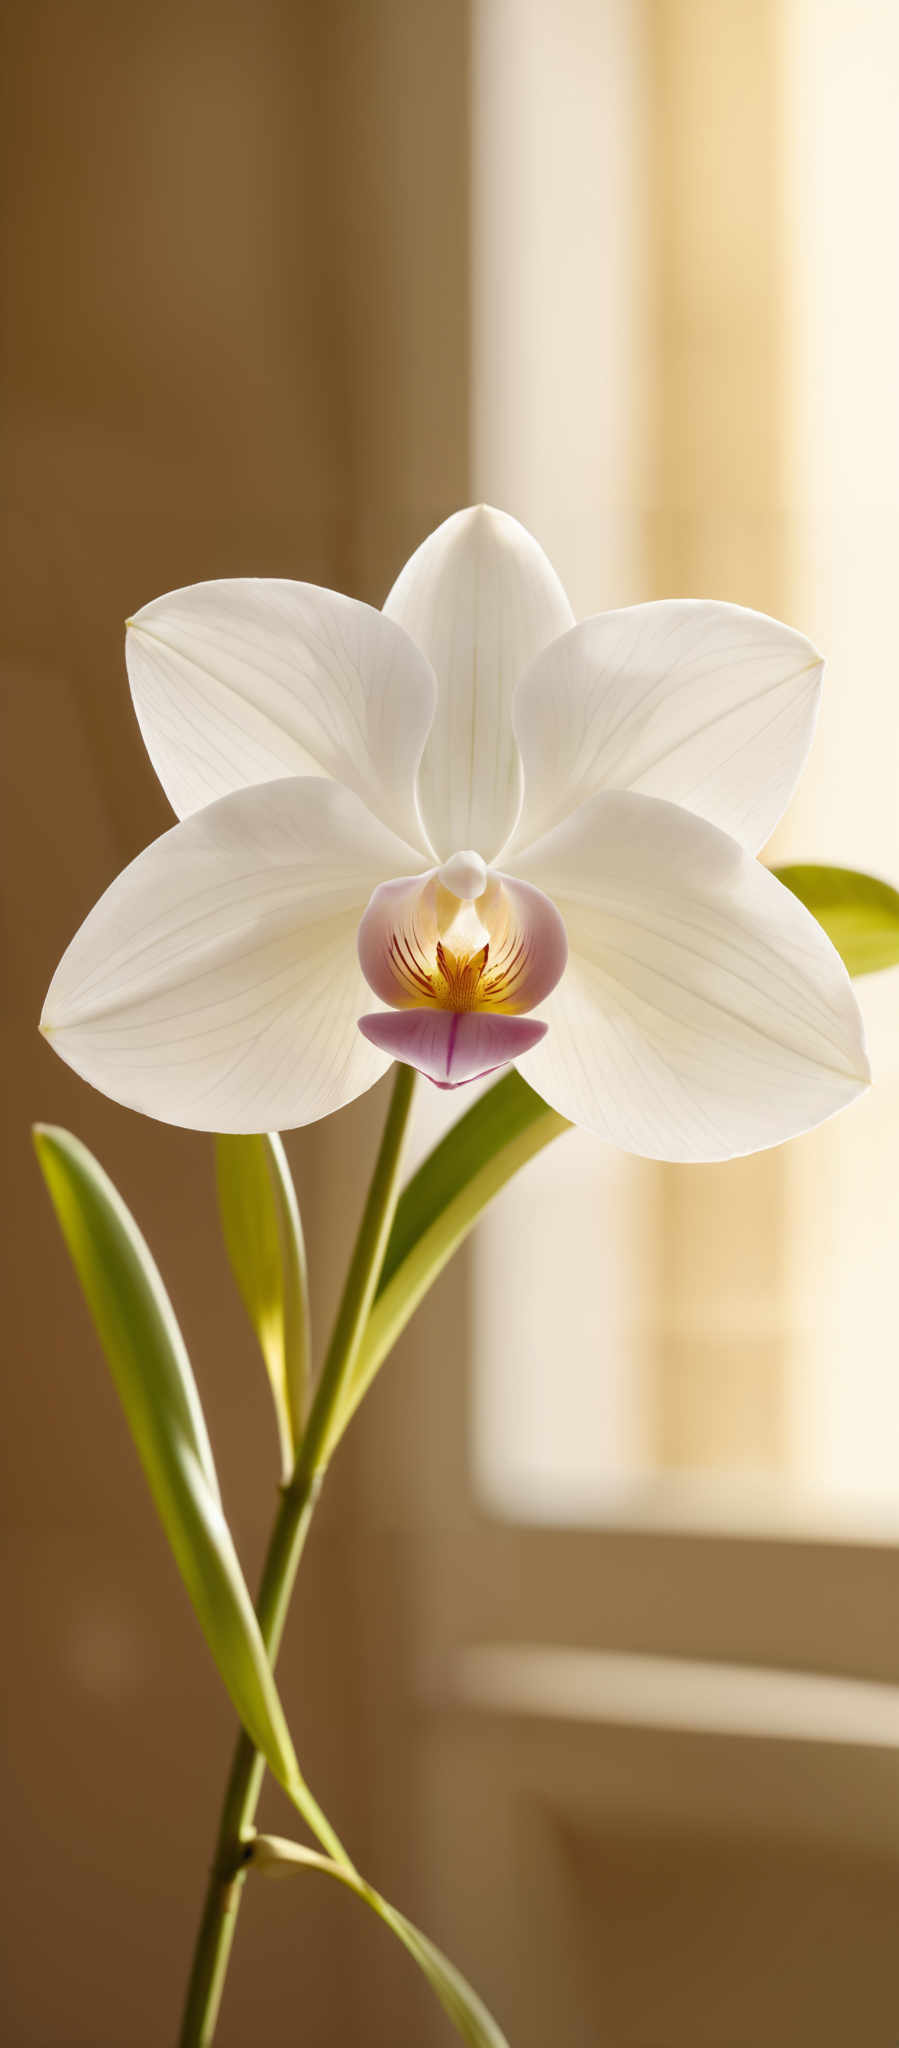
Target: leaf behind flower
<point>276,1855</point>
<point>146,1353</point>
<point>264,1240</point>
<point>859,912</point>
<point>503,1129</point>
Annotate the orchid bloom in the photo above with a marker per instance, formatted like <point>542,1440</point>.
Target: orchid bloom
<point>462,832</point>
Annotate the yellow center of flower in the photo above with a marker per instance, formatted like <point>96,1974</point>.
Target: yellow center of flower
<point>462,939</point>
<point>457,980</point>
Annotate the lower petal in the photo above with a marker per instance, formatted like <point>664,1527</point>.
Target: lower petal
<point>449,1046</point>
<point>216,984</point>
<point>703,1013</point>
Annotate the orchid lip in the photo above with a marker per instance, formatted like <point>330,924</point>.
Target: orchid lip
<point>459,955</point>
<point>452,1047</point>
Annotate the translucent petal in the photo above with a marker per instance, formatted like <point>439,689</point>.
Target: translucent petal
<point>707,705</point>
<point>216,984</point>
<point>250,680</point>
<point>481,599</point>
<point>703,1013</point>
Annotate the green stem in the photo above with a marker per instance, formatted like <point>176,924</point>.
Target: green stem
<point>228,1872</point>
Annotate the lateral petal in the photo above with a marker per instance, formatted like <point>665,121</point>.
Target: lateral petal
<point>253,679</point>
<point>481,599</point>
<point>703,1012</point>
<point>707,705</point>
<point>216,983</point>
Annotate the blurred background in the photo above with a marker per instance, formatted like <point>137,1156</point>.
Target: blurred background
<point>595,1662</point>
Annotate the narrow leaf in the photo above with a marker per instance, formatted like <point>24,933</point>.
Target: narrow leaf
<point>146,1353</point>
<point>460,2002</point>
<point>264,1240</point>
<point>859,913</point>
<point>469,2015</point>
<point>505,1128</point>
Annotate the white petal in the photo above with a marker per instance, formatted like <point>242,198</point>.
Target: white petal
<point>707,705</point>
<point>703,1013</point>
<point>216,984</point>
<point>247,681</point>
<point>481,599</point>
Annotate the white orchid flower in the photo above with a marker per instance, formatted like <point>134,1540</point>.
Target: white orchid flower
<point>461,832</point>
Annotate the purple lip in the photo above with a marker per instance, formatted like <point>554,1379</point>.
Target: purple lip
<point>452,1046</point>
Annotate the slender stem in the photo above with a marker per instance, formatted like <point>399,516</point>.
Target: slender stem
<point>296,1507</point>
<point>227,1874</point>
<point>361,1282</point>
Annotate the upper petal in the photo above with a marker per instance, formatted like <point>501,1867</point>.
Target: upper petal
<point>708,705</point>
<point>703,1012</point>
<point>216,983</point>
<point>250,680</point>
<point>481,599</point>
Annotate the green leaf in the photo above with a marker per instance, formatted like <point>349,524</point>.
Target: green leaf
<point>151,1369</point>
<point>859,913</point>
<point>469,2015</point>
<point>264,1240</point>
<point>505,1128</point>
<point>467,2011</point>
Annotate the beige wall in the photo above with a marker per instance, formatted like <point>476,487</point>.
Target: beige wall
<point>235,244</point>
<point>239,250</point>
